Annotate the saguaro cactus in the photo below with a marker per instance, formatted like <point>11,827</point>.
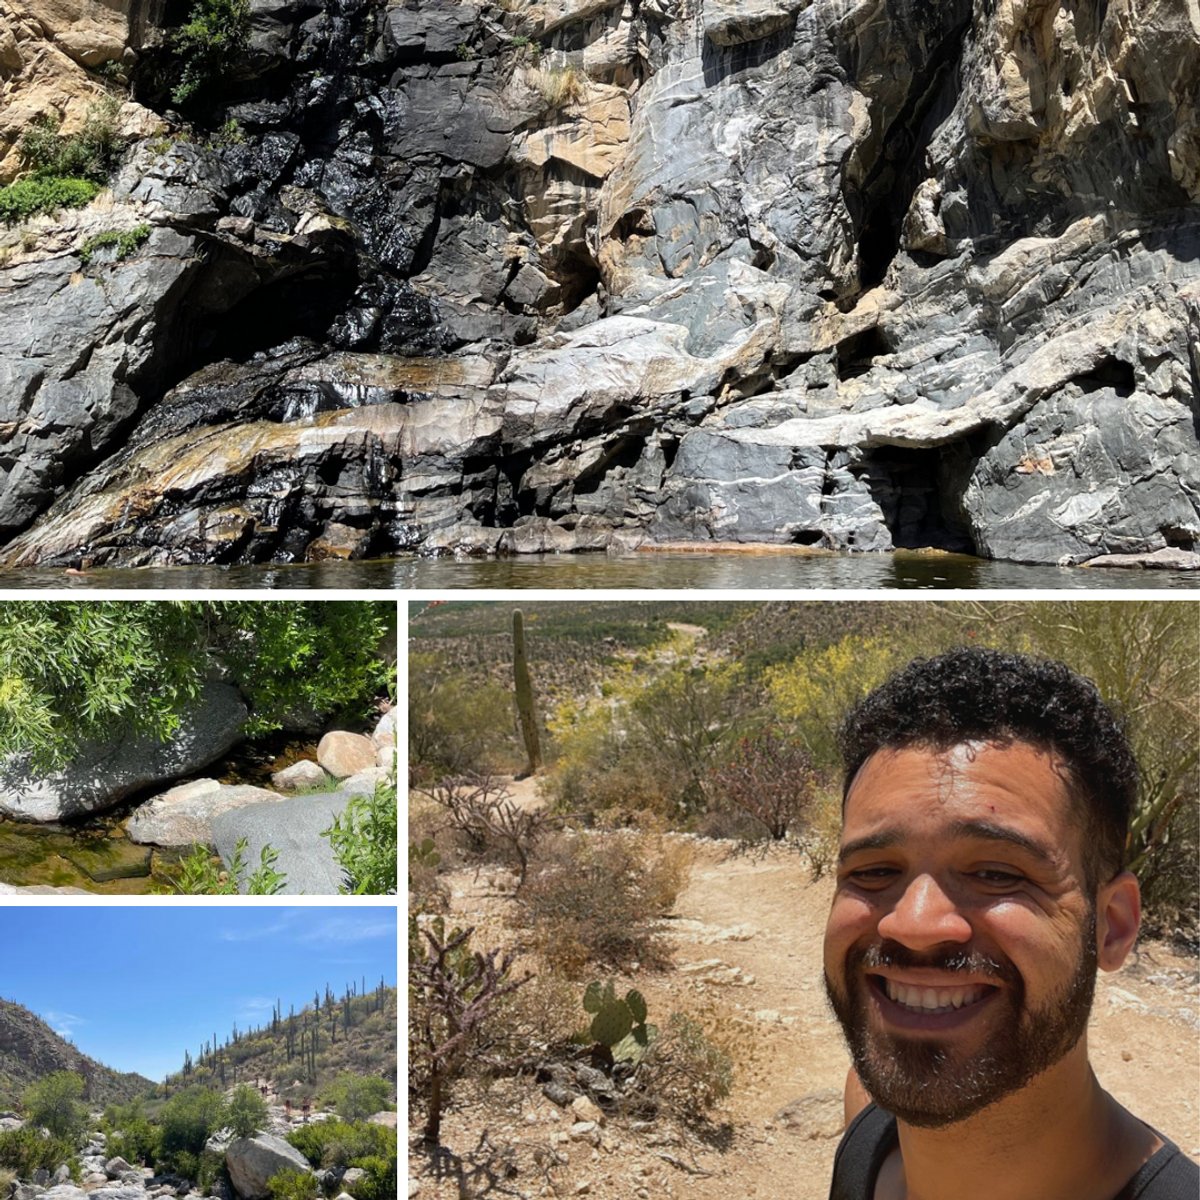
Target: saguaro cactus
<point>524,689</point>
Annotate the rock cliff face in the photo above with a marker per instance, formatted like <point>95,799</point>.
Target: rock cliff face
<point>552,275</point>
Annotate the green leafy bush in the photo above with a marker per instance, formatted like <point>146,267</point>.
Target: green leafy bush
<point>75,670</point>
<point>208,44</point>
<point>201,874</point>
<point>130,1133</point>
<point>356,1097</point>
<point>43,194</point>
<point>292,1185</point>
<point>364,841</point>
<point>126,242</point>
<point>188,1119</point>
<point>341,1143</point>
<point>380,1181</point>
<point>247,1113</point>
<point>25,1150</point>
<point>55,1103</point>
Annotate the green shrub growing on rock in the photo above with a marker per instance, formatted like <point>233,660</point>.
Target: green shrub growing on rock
<point>364,841</point>
<point>342,1143</point>
<point>126,241</point>
<point>188,1119</point>
<point>42,194</point>
<point>213,38</point>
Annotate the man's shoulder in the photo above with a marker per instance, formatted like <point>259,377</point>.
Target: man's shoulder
<point>865,1144</point>
<point>1167,1175</point>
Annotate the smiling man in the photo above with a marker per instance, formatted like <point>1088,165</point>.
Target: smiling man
<point>981,884</point>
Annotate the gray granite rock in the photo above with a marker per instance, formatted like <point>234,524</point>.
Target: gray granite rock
<point>293,828</point>
<point>99,776</point>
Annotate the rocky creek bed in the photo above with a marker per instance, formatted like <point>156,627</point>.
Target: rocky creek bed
<point>132,847</point>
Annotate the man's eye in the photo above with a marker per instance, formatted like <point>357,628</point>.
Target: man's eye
<point>873,874</point>
<point>997,878</point>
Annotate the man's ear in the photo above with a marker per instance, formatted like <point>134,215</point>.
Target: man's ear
<point>1118,915</point>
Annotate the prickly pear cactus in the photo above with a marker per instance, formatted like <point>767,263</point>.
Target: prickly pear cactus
<point>619,1024</point>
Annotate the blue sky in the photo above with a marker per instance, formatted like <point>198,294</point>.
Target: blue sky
<point>135,986</point>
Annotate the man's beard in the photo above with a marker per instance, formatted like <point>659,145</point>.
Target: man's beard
<point>927,1083</point>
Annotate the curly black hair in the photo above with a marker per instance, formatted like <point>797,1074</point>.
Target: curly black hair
<point>973,694</point>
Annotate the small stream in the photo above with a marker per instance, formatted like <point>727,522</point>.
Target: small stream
<point>94,853</point>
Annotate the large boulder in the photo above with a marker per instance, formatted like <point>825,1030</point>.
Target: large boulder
<point>101,774</point>
<point>293,828</point>
<point>252,1162</point>
<point>184,815</point>
<point>343,754</point>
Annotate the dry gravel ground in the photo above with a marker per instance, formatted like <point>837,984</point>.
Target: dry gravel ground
<point>746,936</point>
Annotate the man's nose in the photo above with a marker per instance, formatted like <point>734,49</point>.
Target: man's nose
<point>924,916</point>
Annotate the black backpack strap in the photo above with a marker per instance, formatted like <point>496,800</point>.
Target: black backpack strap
<point>868,1140</point>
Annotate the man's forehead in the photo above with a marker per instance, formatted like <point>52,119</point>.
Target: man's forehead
<point>1014,778</point>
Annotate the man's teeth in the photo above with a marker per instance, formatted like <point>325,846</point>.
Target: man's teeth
<point>927,999</point>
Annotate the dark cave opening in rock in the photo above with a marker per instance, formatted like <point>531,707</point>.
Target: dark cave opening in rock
<point>857,353</point>
<point>908,486</point>
<point>298,306</point>
<point>1108,373</point>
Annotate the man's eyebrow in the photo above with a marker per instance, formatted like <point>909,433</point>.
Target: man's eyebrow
<point>991,832</point>
<point>984,830</point>
<point>872,841</point>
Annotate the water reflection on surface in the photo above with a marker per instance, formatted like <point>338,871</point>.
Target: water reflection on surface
<point>661,570</point>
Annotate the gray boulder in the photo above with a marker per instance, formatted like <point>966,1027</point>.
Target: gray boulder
<point>184,815</point>
<point>300,776</point>
<point>252,1162</point>
<point>100,775</point>
<point>293,828</point>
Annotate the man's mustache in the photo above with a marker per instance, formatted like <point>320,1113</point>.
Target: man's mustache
<point>952,959</point>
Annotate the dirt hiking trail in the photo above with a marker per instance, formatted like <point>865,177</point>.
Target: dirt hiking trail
<point>746,938</point>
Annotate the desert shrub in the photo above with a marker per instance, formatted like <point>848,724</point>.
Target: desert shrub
<point>684,1070</point>
<point>356,1097</point>
<point>770,778</point>
<point>481,809</point>
<point>364,842</point>
<point>7,1178</point>
<point>815,690</point>
<point>131,1135</point>
<point>43,194</point>
<point>27,1149</point>
<point>188,1119</point>
<point>539,1016</point>
<point>457,725</point>
<point>648,742</point>
<point>246,1114</point>
<point>55,1103</point>
<point>290,1184</point>
<point>597,900</point>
